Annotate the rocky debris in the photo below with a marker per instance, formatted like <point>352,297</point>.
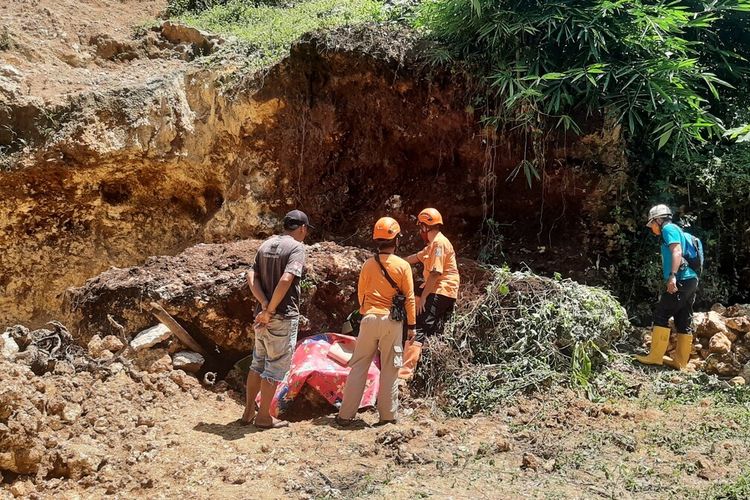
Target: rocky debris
<point>8,345</point>
<point>200,42</point>
<point>722,342</point>
<point>104,349</point>
<point>150,337</point>
<point>188,361</point>
<point>44,349</point>
<point>205,290</point>
<point>719,343</point>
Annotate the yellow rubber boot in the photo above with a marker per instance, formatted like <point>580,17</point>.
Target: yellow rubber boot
<point>681,353</point>
<point>659,344</point>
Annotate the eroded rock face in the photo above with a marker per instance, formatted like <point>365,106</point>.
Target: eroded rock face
<point>205,288</point>
<point>346,128</point>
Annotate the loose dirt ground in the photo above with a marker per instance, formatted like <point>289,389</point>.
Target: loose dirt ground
<point>53,45</point>
<point>662,438</point>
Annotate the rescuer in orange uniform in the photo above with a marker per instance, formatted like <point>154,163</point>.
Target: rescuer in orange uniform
<point>386,299</point>
<point>440,290</point>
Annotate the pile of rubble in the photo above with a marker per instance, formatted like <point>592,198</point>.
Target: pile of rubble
<point>67,412</point>
<point>722,342</point>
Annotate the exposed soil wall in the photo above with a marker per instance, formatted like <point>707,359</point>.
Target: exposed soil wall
<point>347,128</point>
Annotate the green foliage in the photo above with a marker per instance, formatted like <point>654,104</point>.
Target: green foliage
<point>269,30</point>
<point>708,190</point>
<point>525,332</point>
<point>650,66</point>
<point>739,489</point>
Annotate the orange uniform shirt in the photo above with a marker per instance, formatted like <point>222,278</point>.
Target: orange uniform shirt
<point>439,257</point>
<point>376,293</point>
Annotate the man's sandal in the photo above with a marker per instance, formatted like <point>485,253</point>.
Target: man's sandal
<point>277,424</point>
<point>343,422</point>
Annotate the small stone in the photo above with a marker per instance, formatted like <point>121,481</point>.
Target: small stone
<point>723,365</point>
<point>737,381</point>
<point>150,337</point>
<point>745,374</point>
<point>265,448</point>
<point>530,461</point>
<point>185,381</point>
<point>718,308</point>
<point>112,343</point>
<point>188,361</point>
<point>161,365</point>
<point>740,323</point>
<point>719,343</point>
<point>502,445</point>
<point>708,324</point>
<point>70,412</point>
<point>737,310</point>
<point>8,346</point>
<point>22,489</point>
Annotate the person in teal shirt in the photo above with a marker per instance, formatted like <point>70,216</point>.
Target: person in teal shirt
<point>681,283</point>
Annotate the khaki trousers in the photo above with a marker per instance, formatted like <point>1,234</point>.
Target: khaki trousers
<point>376,333</point>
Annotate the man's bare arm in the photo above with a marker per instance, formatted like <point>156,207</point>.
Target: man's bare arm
<point>256,289</point>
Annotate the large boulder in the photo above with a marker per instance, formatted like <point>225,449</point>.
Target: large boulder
<point>205,289</point>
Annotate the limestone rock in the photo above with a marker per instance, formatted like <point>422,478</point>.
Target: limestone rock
<point>719,343</point>
<point>70,412</point>
<point>80,460</point>
<point>708,324</point>
<point>737,381</point>
<point>723,365</point>
<point>150,337</point>
<point>746,373</point>
<point>740,323</point>
<point>737,310</point>
<point>8,346</point>
<point>719,308</point>
<point>182,379</point>
<point>161,365</point>
<point>188,361</point>
<point>152,360</point>
<point>112,343</point>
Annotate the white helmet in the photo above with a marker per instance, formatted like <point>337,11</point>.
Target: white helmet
<point>657,212</point>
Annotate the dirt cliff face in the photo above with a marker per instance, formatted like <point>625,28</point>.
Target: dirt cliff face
<point>343,129</point>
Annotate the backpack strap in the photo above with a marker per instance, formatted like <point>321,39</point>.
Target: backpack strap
<point>385,273</point>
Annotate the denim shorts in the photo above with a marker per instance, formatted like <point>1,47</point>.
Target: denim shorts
<point>274,346</point>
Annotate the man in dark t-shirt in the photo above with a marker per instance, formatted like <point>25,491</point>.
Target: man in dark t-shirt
<point>274,282</point>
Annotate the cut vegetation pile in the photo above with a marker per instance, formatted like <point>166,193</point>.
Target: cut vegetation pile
<point>524,332</point>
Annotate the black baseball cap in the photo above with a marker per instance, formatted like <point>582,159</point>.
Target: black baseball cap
<point>297,218</point>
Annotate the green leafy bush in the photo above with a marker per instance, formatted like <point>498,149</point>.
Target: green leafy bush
<point>650,66</point>
<point>524,332</point>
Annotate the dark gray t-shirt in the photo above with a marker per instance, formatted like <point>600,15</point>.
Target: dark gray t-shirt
<point>278,255</point>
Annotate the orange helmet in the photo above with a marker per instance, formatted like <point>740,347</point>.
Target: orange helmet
<point>386,228</point>
<point>430,216</point>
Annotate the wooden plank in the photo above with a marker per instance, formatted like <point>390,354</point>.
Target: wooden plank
<point>176,329</point>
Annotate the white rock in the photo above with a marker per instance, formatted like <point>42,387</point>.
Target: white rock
<point>10,71</point>
<point>188,361</point>
<point>8,346</point>
<point>150,337</point>
<point>71,412</point>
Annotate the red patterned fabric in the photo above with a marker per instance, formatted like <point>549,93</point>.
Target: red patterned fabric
<point>311,365</point>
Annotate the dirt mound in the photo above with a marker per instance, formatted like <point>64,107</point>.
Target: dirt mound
<point>205,289</point>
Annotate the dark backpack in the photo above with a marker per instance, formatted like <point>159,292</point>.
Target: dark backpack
<point>693,253</point>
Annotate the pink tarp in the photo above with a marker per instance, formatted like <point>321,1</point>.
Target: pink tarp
<point>312,365</point>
